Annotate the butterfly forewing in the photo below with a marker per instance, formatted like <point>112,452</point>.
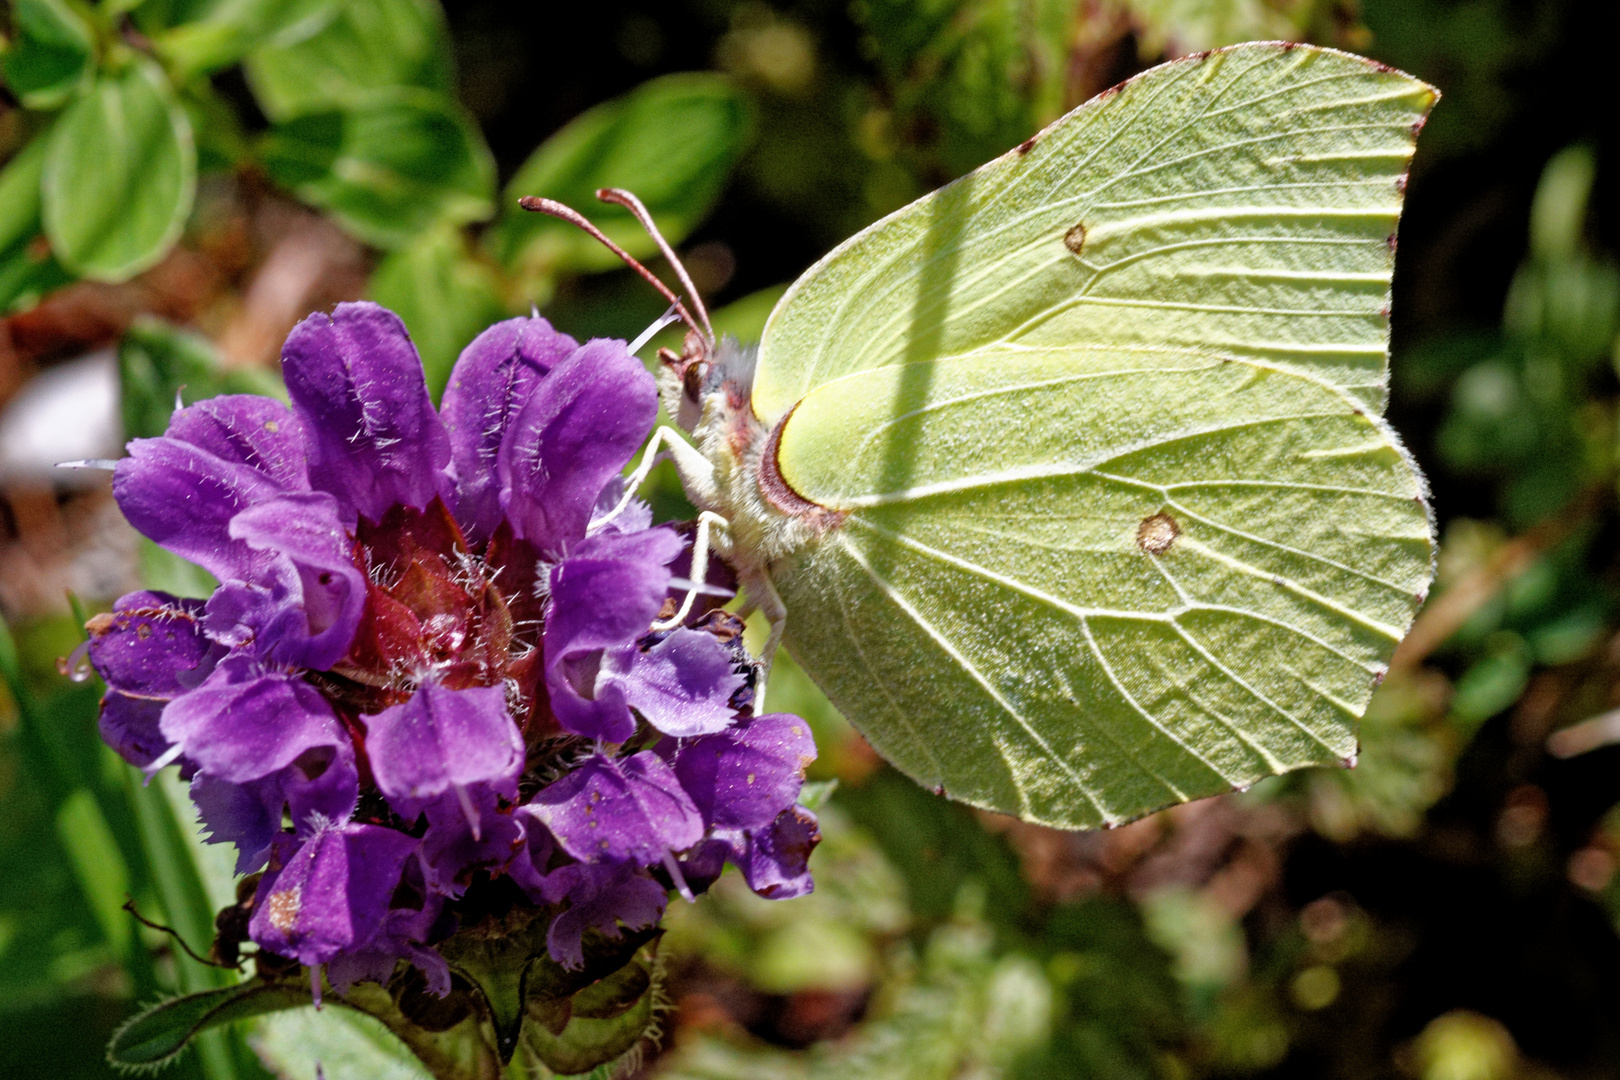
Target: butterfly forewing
<point>1078,584</point>
<point>1243,202</point>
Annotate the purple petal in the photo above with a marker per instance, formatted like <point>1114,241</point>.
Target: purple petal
<point>453,849</point>
<point>576,433</point>
<point>492,381</point>
<point>246,429</point>
<point>356,382</point>
<point>330,893</point>
<point>682,685</point>
<point>776,861</point>
<point>183,498</point>
<point>601,896</point>
<point>608,809</point>
<point>321,786</point>
<point>330,596</point>
<point>130,726</point>
<point>412,913</point>
<point>151,645</point>
<point>743,778</point>
<point>246,721</point>
<point>441,739</point>
<point>604,596</point>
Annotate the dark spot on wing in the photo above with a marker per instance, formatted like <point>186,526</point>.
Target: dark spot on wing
<point>1400,184</point>
<point>1390,243</point>
<point>1027,145</point>
<point>1157,533</point>
<point>1075,239</point>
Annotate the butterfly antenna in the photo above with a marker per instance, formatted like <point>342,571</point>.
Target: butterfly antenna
<point>621,197</point>
<point>567,213</point>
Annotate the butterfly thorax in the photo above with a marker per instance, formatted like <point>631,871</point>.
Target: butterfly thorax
<point>768,521</point>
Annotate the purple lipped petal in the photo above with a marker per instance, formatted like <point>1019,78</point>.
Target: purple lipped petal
<point>743,778</point>
<point>372,435</point>
<point>601,896</point>
<point>682,685</point>
<point>250,430</point>
<point>607,809</point>
<point>443,739</point>
<point>306,529</point>
<point>576,433</point>
<point>775,861</point>
<point>468,831</point>
<point>493,379</point>
<point>246,721</point>
<point>329,894</point>
<point>321,785</point>
<point>247,815</point>
<point>130,726</point>
<point>183,498</point>
<point>151,645</point>
<point>412,915</point>
<point>603,596</point>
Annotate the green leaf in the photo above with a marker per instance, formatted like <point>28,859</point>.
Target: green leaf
<point>98,864</point>
<point>120,173</point>
<point>367,45</point>
<point>445,294</point>
<point>27,269</point>
<point>157,361</point>
<point>672,141</point>
<point>159,1034</point>
<point>51,55</point>
<point>398,162</point>
<point>229,29</point>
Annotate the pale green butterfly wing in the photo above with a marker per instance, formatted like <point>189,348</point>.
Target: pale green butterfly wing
<point>1244,202</point>
<point>1017,619</point>
<point>1006,429</point>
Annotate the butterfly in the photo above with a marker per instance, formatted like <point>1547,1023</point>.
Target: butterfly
<point>1068,483</point>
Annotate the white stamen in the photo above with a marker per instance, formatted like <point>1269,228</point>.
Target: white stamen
<point>179,402</point>
<point>679,878</point>
<point>76,665</point>
<point>89,463</point>
<point>168,756</point>
<point>702,588</point>
<point>471,812</point>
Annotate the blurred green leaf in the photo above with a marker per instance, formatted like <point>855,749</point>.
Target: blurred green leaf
<point>672,141</point>
<point>977,77</point>
<point>27,268</point>
<point>361,46</point>
<point>445,294</point>
<point>98,864</point>
<point>157,362</point>
<point>1176,27</point>
<point>937,846</point>
<point>120,173</point>
<point>395,164</point>
<point>158,1035</point>
<point>229,29</point>
<point>342,1044</point>
<point>51,54</point>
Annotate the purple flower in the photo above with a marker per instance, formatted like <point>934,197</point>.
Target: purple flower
<point>430,662</point>
<point>328,894</point>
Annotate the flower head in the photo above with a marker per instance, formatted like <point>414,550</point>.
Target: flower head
<point>429,665</point>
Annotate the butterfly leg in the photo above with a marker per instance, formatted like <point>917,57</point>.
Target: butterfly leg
<point>697,475</point>
<point>768,601</point>
<point>700,569</point>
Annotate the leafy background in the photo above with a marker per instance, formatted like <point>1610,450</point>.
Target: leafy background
<point>183,179</point>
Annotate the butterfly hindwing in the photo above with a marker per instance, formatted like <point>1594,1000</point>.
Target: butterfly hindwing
<point>1080,584</point>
